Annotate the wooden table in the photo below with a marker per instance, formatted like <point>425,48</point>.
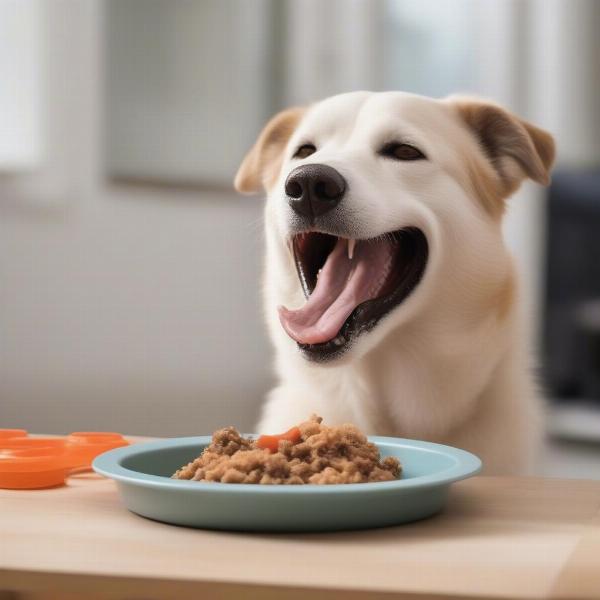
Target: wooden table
<point>499,538</point>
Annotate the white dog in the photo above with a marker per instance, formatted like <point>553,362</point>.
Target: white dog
<point>390,295</point>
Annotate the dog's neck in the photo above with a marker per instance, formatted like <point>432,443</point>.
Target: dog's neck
<point>422,381</point>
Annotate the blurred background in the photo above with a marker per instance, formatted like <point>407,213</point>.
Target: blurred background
<point>130,269</point>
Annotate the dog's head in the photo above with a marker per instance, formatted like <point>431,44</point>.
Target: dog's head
<point>382,204</point>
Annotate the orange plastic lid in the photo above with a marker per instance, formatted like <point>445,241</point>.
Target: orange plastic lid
<point>12,433</point>
<point>29,443</point>
<point>39,462</point>
<point>84,446</point>
<point>29,468</point>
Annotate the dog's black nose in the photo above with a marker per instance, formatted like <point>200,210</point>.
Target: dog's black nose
<point>313,190</point>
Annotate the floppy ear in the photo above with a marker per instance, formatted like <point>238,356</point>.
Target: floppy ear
<point>515,148</point>
<point>260,167</point>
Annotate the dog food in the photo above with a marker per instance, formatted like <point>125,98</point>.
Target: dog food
<point>308,453</point>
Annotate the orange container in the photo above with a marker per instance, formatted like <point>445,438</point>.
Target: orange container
<point>41,462</point>
<point>84,446</point>
<point>33,468</point>
<point>6,434</point>
<point>36,442</point>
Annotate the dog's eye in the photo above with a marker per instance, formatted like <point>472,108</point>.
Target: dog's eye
<point>305,150</point>
<point>398,151</point>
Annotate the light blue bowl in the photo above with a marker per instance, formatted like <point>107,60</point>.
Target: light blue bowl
<point>142,473</point>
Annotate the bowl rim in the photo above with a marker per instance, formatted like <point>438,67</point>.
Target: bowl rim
<point>109,464</point>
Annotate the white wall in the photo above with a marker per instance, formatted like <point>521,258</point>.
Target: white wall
<point>133,312</point>
<point>120,309</point>
<point>19,83</point>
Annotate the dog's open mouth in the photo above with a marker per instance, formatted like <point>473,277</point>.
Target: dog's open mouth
<point>350,285</point>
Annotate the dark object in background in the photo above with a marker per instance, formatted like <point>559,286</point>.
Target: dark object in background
<point>571,364</point>
<point>588,322</point>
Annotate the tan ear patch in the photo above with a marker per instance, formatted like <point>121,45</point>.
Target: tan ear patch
<point>544,145</point>
<point>261,166</point>
<point>514,148</point>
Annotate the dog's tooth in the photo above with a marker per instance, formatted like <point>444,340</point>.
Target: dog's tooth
<point>351,244</point>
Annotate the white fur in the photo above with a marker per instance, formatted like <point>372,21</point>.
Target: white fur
<point>442,366</point>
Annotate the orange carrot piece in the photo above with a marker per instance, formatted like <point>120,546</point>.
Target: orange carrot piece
<point>271,442</point>
<point>268,442</point>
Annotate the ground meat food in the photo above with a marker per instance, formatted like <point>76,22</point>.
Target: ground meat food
<point>324,455</point>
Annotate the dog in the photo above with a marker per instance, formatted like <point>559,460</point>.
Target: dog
<point>390,296</point>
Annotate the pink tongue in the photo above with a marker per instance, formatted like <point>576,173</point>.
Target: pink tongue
<point>342,285</point>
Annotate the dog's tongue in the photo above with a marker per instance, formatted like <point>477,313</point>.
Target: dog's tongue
<point>342,285</point>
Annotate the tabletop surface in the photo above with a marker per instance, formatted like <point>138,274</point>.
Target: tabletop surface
<point>498,538</point>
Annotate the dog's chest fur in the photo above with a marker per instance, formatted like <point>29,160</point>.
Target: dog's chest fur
<point>423,391</point>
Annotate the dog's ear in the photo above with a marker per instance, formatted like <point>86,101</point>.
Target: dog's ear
<point>260,167</point>
<point>515,148</point>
